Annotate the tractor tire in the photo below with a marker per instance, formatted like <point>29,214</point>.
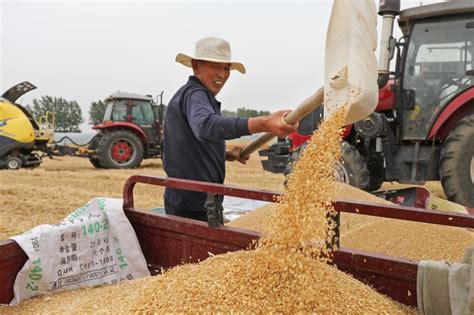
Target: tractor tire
<point>96,162</point>
<point>93,146</point>
<point>13,163</point>
<point>353,169</point>
<point>119,149</point>
<point>376,171</point>
<point>457,163</point>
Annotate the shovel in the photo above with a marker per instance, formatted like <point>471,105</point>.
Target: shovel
<point>306,107</point>
<point>350,65</point>
<point>350,68</point>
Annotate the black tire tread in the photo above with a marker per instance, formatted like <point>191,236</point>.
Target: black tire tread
<point>354,163</point>
<point>93,146</point>
<point>376,172</point>
<point>456,156</point>
<point>96,162</point>
<point>355,166</point>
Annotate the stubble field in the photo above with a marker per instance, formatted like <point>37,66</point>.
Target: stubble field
<point>48,193</point>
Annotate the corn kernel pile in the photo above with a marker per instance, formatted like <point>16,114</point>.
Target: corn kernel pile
<point>281,275</point>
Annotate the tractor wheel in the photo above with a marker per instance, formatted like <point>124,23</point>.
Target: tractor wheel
<point>457,163</point>
<point>376,171</point>
<point>93,146</point>
<point>119,149</point>
<point>96,162</point>
<point>14,163</point>
<point>352,168</point>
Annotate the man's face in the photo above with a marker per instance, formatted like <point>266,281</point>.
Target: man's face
<point>212,74</point>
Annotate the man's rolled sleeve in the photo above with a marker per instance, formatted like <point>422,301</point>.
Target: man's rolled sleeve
<point>241,127</point>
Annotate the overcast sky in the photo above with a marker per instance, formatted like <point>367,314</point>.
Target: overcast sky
<point>86,50</point>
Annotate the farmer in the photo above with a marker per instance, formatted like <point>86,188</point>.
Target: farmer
<point>195,132</point>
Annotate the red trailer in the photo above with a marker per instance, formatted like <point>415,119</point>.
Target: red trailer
<point>167,240</point>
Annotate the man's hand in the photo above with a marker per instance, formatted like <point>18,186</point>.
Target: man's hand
<point>234,154</point>
<point>275,123</point>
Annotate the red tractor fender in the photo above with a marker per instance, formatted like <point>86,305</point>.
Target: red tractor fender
<point>460,106</point>
<point>125,126</point>
<point>298,139</point>
<point>386,97</point>
<point>346,131</point>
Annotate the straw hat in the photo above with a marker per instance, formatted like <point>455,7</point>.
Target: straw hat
<point>211,49</point>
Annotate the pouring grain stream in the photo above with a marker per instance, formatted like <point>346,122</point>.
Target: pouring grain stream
<point>306,203</point>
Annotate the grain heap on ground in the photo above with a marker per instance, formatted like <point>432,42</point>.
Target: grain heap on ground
<point>280,275</point>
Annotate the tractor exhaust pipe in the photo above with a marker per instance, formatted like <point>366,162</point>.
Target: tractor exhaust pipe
<point>388,9</point>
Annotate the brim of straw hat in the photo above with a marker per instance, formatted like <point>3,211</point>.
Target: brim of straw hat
<point>185,60</point>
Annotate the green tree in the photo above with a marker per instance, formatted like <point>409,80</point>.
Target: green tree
<point>96,112</point>
<point>228,113</point>
<point>247,112</point>
<point>68,115</point>
<point>263,113</point>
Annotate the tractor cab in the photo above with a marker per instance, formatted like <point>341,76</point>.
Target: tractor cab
<point>135,109</point>
<point>130,132</point>
<point>437,64</point>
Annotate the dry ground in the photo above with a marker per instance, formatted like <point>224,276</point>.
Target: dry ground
<point>48,193</point>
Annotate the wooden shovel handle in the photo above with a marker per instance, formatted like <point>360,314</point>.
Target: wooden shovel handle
<point>306,107</point>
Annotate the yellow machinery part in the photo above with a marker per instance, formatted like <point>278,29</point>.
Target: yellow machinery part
<point>46,128</point>
<point>14,123</point>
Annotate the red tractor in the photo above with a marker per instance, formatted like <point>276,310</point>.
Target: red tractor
<point>423,126</point>
<point>130,132</point>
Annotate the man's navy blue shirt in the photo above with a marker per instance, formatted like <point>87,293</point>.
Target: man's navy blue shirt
<point>194,142</point>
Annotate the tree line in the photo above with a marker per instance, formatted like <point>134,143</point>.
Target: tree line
<point>68,114</point>
<point>245,112</point>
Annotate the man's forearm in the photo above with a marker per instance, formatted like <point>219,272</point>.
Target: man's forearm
<point>258,124</point>
<point>274,123</point>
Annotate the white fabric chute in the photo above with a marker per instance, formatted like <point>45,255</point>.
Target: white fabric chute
<point>350,63</point>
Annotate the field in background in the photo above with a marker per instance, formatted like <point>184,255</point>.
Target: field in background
<point>47,194</point>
